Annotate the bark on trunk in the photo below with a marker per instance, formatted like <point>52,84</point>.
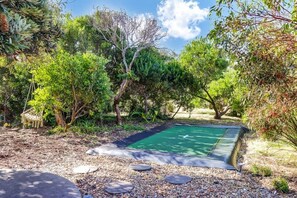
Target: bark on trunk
<point>117,99</point>
<point>176,111</point>
<point>217,113</point>
<point>212,102</point>
<point>6,114</point>
<point>117,110</point>
<point>60,118</point>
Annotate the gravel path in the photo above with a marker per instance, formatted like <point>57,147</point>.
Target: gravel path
<point>59,154</point>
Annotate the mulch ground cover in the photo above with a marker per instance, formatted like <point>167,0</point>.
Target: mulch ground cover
<point>59,154</point>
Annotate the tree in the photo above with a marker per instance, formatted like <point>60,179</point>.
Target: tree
<point>14,81</point>
<point>159,80</point>
<point>261,35</point>
<point>128,35</point>
<point>207,64</point>
<point>27,25</point>
<point>71,86</point>
<point>182,85</point>
<point>147,71</point>
<point>79,35</point>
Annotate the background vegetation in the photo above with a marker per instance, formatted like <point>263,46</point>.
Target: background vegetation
<point>86,67</point>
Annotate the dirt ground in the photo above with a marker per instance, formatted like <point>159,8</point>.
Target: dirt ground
<point>59,154</point>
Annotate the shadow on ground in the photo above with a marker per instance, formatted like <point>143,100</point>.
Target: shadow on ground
<point>34,184</point>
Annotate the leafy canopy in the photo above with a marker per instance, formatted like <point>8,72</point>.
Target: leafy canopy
<point>76,85</point>
<point>28,25</point>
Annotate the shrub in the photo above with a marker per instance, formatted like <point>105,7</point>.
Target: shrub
<point>86,127</point>
<point>274,116</point>
<point>281,185</point>
<point>57,129</point>
<point>71,86</point>
<point>261,171</point>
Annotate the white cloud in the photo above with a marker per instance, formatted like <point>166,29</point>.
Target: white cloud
<point>181,18</point>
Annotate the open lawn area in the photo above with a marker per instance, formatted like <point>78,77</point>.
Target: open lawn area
<point>60,153</point>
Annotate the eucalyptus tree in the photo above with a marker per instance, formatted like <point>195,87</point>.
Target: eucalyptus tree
<point>128,35</point>
<point>261,35</point>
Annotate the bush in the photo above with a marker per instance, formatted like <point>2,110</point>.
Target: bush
<point>261,171</point>
<point>274,116</point>
<point>86,127</point>
<point>71,86</point>
<point>56,130</point>
<point>281,184</point>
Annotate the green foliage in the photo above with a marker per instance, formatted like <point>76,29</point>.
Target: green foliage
<point>204,60</point>
<point>80,36</point>
<point>207,63</point>
<point>228,91</point>
<point>55,130</point>
<point>86,127</point>
<point>281,184</point>
<point>130,127</point>
<point>160,79</point>
<point>14,85</point>
<point>31,24</point>
<point>150,116</point>
<point>73,85</point>
<point>261,171</point>
<point>274,116</point>
<point>267,64</point>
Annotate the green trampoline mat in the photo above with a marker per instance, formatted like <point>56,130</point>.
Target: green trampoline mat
<point>189,140</point>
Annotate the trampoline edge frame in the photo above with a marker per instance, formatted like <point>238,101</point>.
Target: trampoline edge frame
<point>229,157</point>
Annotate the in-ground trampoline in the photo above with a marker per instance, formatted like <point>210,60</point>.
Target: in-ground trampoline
<point>213,146</point>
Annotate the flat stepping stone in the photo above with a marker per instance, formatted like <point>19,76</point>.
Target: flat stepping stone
<point>119,187</point>
<point>84,169</point>
<point>178,179</point>
<point>140,167</point>
<point>24,184</point>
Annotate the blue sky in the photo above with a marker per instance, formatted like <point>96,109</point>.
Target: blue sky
<point>184,20</point>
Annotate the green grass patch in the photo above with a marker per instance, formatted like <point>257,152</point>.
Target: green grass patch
<point>263,171</point>
<point>132,127</point>
<point>281,185</point>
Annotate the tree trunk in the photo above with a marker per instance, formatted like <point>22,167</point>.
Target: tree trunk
<point>6,113</point>
<point>117,110</point>
<point>117,99</point>
<point>217,113</point>
<point>212,102</point>
<point>176,111</point>
<point>60,118</point>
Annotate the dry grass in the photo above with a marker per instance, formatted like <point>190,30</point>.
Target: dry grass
<point>279,157</point>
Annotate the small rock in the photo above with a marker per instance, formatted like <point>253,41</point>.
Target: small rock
<point>216,182</point>
<point>84,169</point>
<point>119,187</point>
<point>178,179</point>
<point>91,152</point>
<point>14,129</point>
<point>141,167</point>
<point>87,196</point>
